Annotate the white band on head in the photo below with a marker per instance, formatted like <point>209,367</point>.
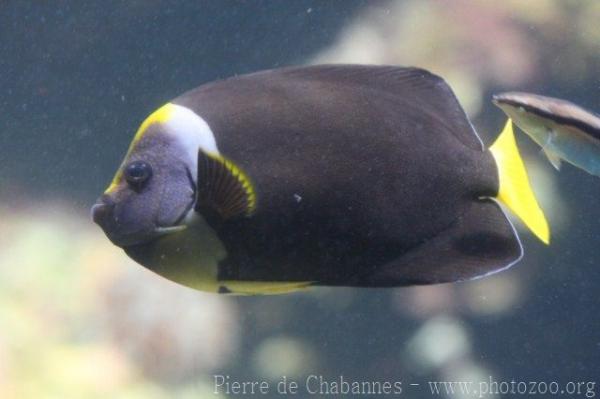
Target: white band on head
<point>191,131</point>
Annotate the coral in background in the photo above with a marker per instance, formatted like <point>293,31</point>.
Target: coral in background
<point>78,317</point>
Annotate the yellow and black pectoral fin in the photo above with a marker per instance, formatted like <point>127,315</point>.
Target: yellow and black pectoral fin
<point>224,188</point>
<point>514,188</point>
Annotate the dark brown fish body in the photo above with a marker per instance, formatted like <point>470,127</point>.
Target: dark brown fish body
<point>364,176</point>
<point>340,163</point>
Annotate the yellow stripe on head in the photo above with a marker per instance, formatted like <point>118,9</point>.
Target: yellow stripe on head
<point>161,115</point>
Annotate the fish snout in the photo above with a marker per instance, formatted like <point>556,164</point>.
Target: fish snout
<point>504,99</point>
<point>103,211</point>
<point>124,222</point>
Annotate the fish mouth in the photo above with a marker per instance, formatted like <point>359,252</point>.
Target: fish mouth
<point>514,99</point>
<point>502,99</point>
<point>144,235</point>
<point>130,233</point>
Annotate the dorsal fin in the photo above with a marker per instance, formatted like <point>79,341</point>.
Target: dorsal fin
<point>223,187</point>
<point>414,87</point>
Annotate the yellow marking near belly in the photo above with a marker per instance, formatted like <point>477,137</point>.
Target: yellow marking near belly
<point>264,287</point>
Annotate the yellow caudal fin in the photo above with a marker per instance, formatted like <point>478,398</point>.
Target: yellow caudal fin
<point>515,191</point>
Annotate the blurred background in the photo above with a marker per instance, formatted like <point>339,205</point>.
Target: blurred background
<point>78,319</point>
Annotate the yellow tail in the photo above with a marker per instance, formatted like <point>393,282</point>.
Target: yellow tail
<point>515,191</point>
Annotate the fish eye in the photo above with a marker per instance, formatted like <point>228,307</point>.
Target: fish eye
<point>137,173</point>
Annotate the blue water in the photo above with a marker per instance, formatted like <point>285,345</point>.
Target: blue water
<point>77,78</point>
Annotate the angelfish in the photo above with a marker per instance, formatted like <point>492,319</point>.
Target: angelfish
<point>338,175</point>
<point>564,130</point>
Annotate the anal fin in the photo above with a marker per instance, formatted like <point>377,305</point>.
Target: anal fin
<point>481,242</point>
